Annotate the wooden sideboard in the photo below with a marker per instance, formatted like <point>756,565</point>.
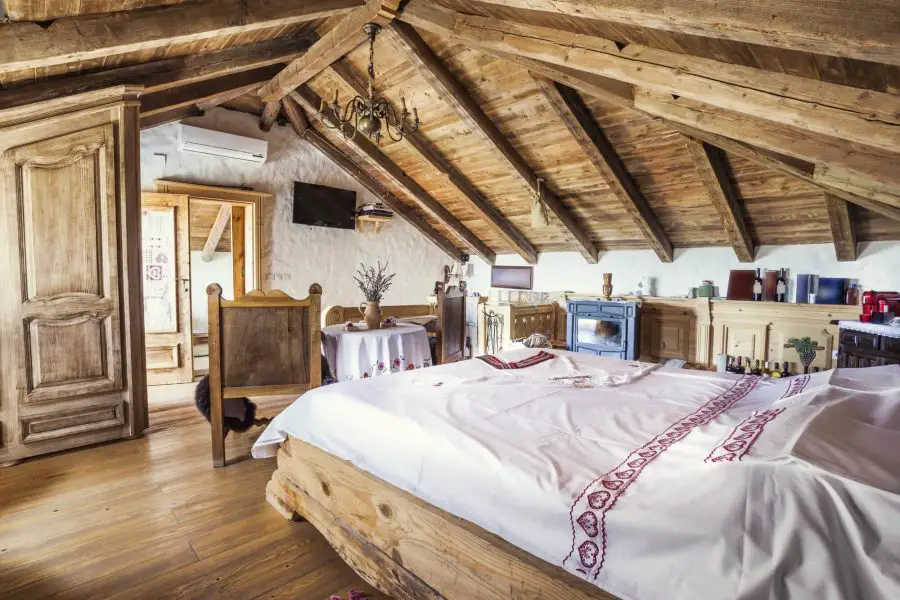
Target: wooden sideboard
<point>867,349</point>
<point>696,330</point>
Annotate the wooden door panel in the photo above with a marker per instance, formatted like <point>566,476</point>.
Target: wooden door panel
<point>66,423</point>
<point>167,292</point>
<point>66,204</point>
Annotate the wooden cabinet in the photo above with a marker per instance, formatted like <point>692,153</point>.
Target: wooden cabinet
<point>71,357</point>
<point>674,328</point>
<point>865,349</point>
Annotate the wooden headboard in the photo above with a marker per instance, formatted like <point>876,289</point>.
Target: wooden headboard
<point>451,313</point>
<point>261,344</point>
<point>341,314</point>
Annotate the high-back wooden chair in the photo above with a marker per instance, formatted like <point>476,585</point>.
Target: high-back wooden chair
<point>451,331</point>
<point>261,344</point>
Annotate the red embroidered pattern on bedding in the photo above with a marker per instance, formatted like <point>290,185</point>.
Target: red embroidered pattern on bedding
<point>588,512</point>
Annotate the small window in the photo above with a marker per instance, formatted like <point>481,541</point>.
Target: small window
<point>516,278</point>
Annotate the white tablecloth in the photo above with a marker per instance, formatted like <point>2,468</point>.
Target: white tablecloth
<point>369,353</point>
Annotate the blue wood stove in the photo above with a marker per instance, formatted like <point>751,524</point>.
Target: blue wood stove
<point>604,328</point>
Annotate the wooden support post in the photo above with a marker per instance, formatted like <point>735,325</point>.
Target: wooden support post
<point>238,250</point>
<point>576,116</point>
<point>269,114</point>
<point>215,234</point>
<point>713,170</point>
<point>842,231</point>
<point>216,416</point>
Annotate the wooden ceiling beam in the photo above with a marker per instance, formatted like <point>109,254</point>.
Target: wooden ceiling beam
<point>206,94</point>
<point>47,10</point>
<point>859,173</point>
<point>748,91</point>
<point>295,115</point>
<point>349,166</point>
<point>169,116</point>
<point>713,170</point>
<point>311,101</point>
<point>163,74</point>
<point>873,172</point>
<point>862,29</point>
<point>215,233</point>
<point>269,114</point>
<point>72,40</point>
<point>454,93</point>
<point>338,37</point>
<point>842,230</point>
<point>347,73</point>
<point>785,164</point>
<point>577,117</point>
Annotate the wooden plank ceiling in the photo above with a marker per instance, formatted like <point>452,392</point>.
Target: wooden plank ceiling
<point>646,133</point>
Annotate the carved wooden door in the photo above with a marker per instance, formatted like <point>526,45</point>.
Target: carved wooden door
<point>62,315</point>
<point>165,250</point>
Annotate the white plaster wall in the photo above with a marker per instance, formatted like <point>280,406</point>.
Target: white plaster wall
<point>218,270</point>
<point>301,255</point>
<point>877,267</point>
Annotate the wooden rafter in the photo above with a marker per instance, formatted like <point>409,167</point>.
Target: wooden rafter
<point>163,74</point>
<point>863,29</point>
<point>580,122</point>
<point>215,234</point>
<point>713,170</point>
<point>349,75</point>
<point>311,101</point>
<point>842,231</point>
<point>748,91</point>
<point>70,40</point>
<point>785,164</point>
<point>349,166</point>
<point>208,93</point>
<point>339,36</point>
<point>43,10</point>
<point>269,114</point>
<point>873,171</point>
<point>454,93</point>
<point>169,116</point>
<point>295,115</point>
<point>856,168</point>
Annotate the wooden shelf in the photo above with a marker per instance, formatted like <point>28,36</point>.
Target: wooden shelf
<point>375,221</point>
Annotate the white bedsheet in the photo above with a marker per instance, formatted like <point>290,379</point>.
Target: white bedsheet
<point>669,484</point>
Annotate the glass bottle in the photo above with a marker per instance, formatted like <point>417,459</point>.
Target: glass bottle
<point>747,368</point>
<point>766,370</point>
<point>776,372</point>
<point>781,287</point>
<point>758,286</point>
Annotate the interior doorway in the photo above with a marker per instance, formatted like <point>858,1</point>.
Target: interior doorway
<point>192,236</point>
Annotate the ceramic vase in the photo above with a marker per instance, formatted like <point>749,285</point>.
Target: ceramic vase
<point>607,285</point>
<point>371,315</point>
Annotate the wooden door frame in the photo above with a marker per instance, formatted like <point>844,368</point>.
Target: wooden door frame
<point>235,197</point>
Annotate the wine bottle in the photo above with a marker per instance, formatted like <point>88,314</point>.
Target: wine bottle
<point>776,372</point>
<point>785,370</point>
<point>758,286</point>
<point>766,370</point>
<point>781,287</point>
<point>731,365</point>
<point>757,370</point>
<point>747,368</point>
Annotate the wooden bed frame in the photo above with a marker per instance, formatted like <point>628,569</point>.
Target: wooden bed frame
<point>261,344</point>
<point>404,546</point>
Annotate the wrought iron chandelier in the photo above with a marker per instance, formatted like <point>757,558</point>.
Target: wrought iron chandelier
<point>366,115</point>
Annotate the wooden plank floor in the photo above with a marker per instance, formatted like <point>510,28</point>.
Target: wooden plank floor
<point>150,518</point>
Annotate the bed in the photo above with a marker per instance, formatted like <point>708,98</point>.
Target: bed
<point>576,476</point>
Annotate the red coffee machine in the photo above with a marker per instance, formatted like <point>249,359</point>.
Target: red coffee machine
<point>879,302</point>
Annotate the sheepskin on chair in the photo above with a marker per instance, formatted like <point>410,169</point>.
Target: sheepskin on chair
<point>239,413</point>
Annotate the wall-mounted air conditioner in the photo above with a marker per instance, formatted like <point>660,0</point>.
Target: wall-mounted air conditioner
<point>216,143</point>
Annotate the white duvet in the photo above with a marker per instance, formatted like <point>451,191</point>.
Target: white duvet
<point>650,483</point>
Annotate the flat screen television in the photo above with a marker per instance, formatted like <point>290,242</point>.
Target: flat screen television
<point>323,206</point>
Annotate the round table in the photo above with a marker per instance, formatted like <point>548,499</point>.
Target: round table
<point>372,352</point>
